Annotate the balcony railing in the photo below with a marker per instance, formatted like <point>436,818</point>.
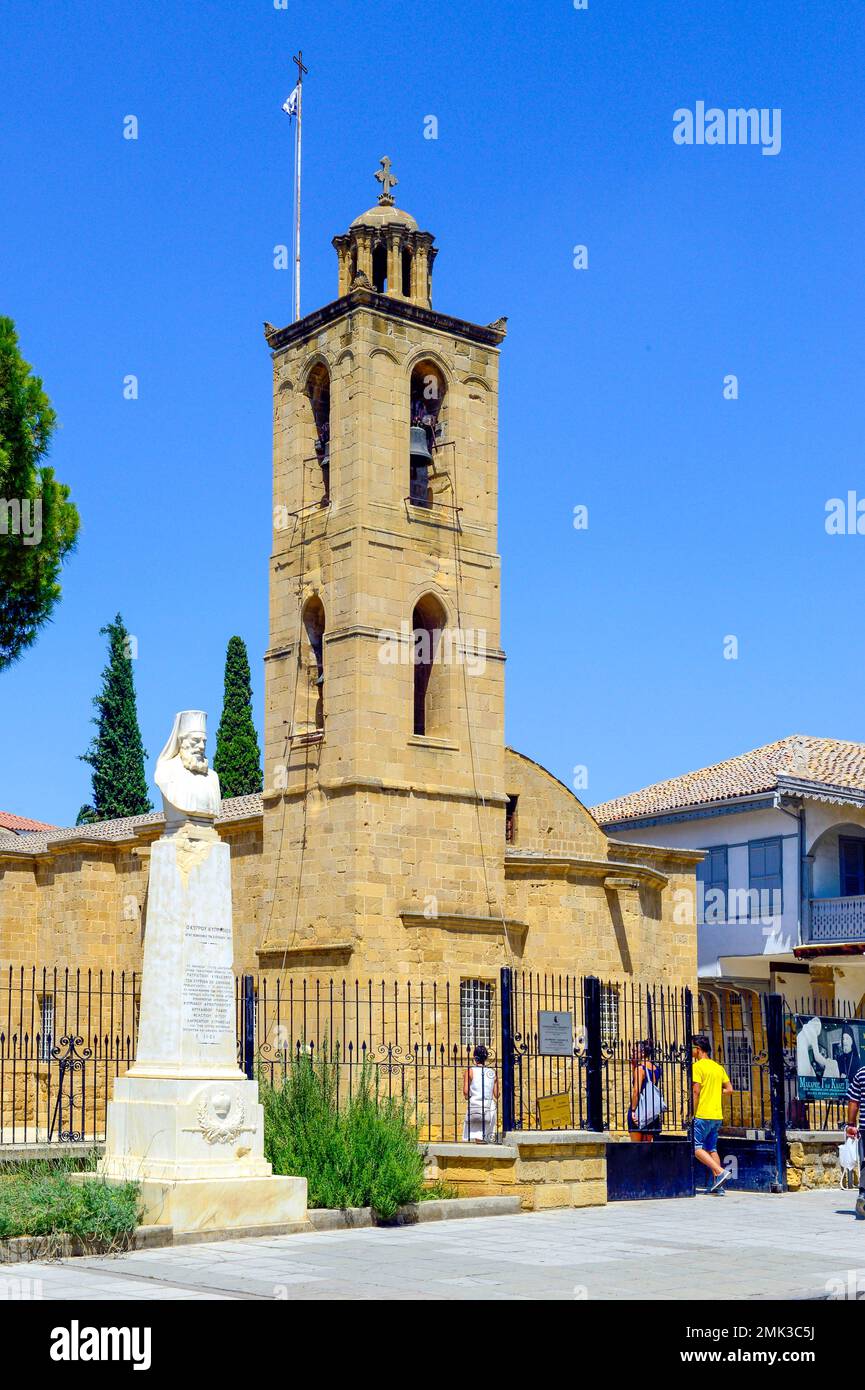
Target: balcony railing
<point>838,919</point>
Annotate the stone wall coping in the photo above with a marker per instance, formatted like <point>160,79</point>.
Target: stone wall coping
<point>488,1151</point>
<point>815,1136</point>
<point>542,1137</point>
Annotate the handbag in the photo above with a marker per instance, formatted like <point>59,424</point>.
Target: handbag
<point>651,1105</point>
<point>848,1157</point>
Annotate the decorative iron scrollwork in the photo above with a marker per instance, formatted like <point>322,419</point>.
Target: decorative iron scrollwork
<point>75,1056</point>
<point>72,1055</point>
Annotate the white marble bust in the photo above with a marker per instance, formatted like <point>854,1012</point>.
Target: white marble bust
<point>190,789</point>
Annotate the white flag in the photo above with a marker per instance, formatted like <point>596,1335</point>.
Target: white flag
<point>289,106</point>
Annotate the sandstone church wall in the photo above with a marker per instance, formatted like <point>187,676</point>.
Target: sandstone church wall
<point>592,905</point>
<point>86,906</point>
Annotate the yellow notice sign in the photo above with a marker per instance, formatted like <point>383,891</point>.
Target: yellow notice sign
<point>554,1112</point>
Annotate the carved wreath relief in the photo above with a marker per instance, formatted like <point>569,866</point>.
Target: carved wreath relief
<point>220,1117</point>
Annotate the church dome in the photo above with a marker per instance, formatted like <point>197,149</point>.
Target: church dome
<point>384,214</point>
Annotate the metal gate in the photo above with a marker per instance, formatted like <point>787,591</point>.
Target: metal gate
<point>579,1074</point>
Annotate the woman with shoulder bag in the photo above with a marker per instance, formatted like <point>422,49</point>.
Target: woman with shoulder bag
<point>647,1103</point>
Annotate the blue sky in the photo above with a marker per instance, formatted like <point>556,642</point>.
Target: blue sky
<point>706,516</point>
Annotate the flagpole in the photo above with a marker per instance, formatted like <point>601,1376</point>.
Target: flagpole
<point>301,69</point>
<point>297,151</point>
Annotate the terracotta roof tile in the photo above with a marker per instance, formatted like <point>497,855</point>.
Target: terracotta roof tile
<point>830,761</point>
<point>9,821</point>
<point>127,827</point>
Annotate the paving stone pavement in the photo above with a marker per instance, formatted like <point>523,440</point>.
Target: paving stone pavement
<point>744,1245</point>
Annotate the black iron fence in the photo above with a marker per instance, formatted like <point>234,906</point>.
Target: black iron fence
<point>413,1043</point>
<point>582,1046</point>
<point>735,1024</point>
<point>543,1012</point>
<point>64,1037</point>
<point>559,1051</point>
<point>646,1031</point>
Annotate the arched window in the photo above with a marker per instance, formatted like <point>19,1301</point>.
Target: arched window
<point>312,665</point>
<point>430,673</point>
<point>379,267</point>
<point>318,390</point>
<point>427,426</point>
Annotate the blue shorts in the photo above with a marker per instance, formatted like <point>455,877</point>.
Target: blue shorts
<point>706,1134</point>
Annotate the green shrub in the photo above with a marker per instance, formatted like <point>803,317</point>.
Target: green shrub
<point>363,1154</point>
<point>42,1201</point>
<point>439,1191</point>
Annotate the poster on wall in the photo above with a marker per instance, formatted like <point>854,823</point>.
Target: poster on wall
<point>829,1051</point>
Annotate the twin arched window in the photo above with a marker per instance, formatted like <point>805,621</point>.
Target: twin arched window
<point>429,668</point>
<point>427,426</point>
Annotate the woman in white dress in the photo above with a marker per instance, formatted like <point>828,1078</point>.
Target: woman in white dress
<point>481,1091</point>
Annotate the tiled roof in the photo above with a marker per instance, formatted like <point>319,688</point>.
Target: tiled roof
<point>831,762</point>
<point>9,821</point>
<point>127,827</point>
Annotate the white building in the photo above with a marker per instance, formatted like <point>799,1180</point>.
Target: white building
<point>782,887</point>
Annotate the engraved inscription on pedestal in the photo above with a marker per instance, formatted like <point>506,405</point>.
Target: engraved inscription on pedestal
<point>208,990</point>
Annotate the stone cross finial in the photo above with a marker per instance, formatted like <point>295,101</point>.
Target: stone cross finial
<point>386,179</point>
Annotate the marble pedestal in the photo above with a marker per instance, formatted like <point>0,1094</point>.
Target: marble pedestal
<point>184,1122</point>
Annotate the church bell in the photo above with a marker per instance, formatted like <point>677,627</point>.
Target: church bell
<point>418,446</point>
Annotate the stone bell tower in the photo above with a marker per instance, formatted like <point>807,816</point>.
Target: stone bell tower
<point>384,767</point>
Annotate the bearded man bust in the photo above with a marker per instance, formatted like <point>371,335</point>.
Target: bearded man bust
<point>190,788</point>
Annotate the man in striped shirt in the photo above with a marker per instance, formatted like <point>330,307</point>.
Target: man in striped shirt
<point>856,1130</point>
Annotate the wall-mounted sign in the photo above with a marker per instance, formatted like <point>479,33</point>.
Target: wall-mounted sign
<point>829,1052</point>
<point>555,1034</point>
<point>554,1112</point>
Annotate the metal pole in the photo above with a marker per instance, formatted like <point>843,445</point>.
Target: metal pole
<point>774,1010</point>
<point>689,1080</point>
<point>249,1027</point>
<point>507,1052</point>
<point>297,152</point>
<point>594,1074</point>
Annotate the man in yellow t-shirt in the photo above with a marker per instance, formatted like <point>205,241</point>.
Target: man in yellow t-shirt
<point>711,1082</point>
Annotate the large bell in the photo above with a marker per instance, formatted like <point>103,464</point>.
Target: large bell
<point>418,445</point>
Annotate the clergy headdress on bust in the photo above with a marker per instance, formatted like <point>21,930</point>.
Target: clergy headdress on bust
<point>190,789</point>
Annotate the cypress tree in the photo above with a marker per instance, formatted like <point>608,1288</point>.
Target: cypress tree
<point>116,754</point>
<point>237,761</point>
<point>38,523</point>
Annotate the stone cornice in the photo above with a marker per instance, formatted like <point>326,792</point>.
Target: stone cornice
<point>272,795</point>
<point>465,922</point>
<point>281,338</point>
<point>525,864</point>
<point>631,850</point>
<point>304,948</point>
